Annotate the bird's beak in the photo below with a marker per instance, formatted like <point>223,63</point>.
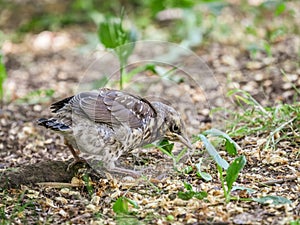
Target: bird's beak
<point>184,140</point>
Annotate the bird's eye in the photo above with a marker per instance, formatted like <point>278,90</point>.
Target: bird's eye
<point>174,128</point>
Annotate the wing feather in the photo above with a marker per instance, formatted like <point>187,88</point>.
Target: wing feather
<point>111,107</point>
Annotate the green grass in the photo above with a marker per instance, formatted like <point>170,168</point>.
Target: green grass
<point>276,123</point>
<point>3,76</point>
<point>18,209</point>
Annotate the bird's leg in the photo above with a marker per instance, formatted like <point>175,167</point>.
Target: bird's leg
<point>77,159</point>
<point>111,167</point>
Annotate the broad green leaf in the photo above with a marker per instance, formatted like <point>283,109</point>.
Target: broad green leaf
<point>230,148</point>
<point>113,36</point>
<point>201,195</point>
<point>233,171</point>
<point>203,175</point>
<point>166,145</point>
<point>213,152</point>
<point>188,186</point>
<point>230,145</point>
<point>165,152</point>
<point>276,200</point>
<point>280,9</point>
<point>186,195</point>
<point>121,205</point>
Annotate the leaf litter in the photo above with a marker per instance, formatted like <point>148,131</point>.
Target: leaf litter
<point>268,172</point>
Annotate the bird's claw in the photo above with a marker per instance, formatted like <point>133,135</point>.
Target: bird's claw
<point>77,160</point>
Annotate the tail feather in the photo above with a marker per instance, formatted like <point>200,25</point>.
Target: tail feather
<point>60,104</point>
<point>53,124</point>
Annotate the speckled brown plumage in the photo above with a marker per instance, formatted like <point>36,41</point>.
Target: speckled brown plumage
<point>102,125</point>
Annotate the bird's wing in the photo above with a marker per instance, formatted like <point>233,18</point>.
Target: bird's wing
<point>112,107</point>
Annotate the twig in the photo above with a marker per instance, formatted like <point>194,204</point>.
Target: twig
<point>57,184</point>
<point>278,181</point>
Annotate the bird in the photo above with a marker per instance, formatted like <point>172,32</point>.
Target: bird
<point>101,125</point>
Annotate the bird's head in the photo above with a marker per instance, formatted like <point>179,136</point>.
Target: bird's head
<point>172,125</point>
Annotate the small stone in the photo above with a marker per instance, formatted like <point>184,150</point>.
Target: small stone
<point>287,86</point>
<point>37,108</point>
<point>95,200</point>
<point>62,200</point>
<point>259,77</point>
<point>63,213</point>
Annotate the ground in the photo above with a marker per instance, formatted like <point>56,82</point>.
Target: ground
<point>61,61</point>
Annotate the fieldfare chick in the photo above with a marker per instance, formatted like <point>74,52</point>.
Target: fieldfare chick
<point>102,125</point>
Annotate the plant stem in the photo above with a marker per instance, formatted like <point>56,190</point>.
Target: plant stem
<point>180,155</point>
<point>241,199</point>
<point>121,75</point>
<point>226,195</point>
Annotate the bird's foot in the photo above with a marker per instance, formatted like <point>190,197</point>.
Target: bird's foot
<point>100,167</point>
<point>76,160</point>
<point>133,173</point>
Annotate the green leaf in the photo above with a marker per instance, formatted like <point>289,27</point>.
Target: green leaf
<point>188,186</point>
<point>233,171</point>
<point>88,184</point>
<point>121,206</point>
<point>275,200</point>
<point>230,145</point>
<point>133,203</point>
<point>267,48</point>
<point>203,175</point>
<point>170,218</point>
<point>3,76</point>
<point>188,169</point>
<point>280,9</point>
<point>249,190</point>
<point>186,195</point>
<point>113,36</point>
<point>149,146</point>
<point>166,145</point>
<point>230,148</point>
<point>295,222</point>
<point>213,152</point>
<point>201,195</point>
<point>181,154</point>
